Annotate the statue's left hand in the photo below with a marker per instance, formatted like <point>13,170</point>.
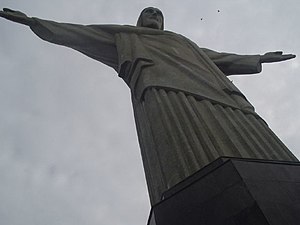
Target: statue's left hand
<point>270,57</point>
<point>16,16</point>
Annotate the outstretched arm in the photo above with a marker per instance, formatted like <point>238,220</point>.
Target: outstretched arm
<point>233,64</point>
<point>95,41</point>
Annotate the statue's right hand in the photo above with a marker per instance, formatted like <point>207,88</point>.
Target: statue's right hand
<point>16,16</point>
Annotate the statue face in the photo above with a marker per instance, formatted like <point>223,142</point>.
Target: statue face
<point>152,18</point>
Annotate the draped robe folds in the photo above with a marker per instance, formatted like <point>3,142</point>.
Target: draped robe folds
<point>187,111</point>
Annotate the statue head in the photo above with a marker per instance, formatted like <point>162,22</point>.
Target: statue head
<point>152,18</point>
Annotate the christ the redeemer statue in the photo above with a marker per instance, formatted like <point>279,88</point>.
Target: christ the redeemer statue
<point>187,111</point>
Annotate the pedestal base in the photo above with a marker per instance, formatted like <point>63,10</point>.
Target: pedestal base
<point>232,191</point>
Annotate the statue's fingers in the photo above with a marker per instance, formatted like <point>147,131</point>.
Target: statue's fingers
<point>291,56</point>
<point>6,13</point>
<point>288,56</point>
<point>3,14</point>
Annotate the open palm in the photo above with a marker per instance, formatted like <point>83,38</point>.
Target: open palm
<point>16,16</point>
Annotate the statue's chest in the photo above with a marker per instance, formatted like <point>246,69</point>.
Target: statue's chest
<point>168,46</point>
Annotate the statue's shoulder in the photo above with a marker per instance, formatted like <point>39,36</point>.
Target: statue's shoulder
<point>130,29</point>
<point>140,30</point>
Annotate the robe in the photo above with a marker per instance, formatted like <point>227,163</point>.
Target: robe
<point>187,112</point>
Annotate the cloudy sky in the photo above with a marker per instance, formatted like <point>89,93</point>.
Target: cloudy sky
<point>69,152</point>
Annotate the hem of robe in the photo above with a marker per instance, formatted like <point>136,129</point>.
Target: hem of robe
<point>180,134</point>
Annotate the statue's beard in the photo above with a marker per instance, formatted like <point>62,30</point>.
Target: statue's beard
<point>152,25</point>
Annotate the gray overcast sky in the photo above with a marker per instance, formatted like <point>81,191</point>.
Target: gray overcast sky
<point>69,151</point>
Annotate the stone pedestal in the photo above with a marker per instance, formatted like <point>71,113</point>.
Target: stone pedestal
<point>233,191</point>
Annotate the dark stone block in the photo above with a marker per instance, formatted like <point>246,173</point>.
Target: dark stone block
<point>232,191</point>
